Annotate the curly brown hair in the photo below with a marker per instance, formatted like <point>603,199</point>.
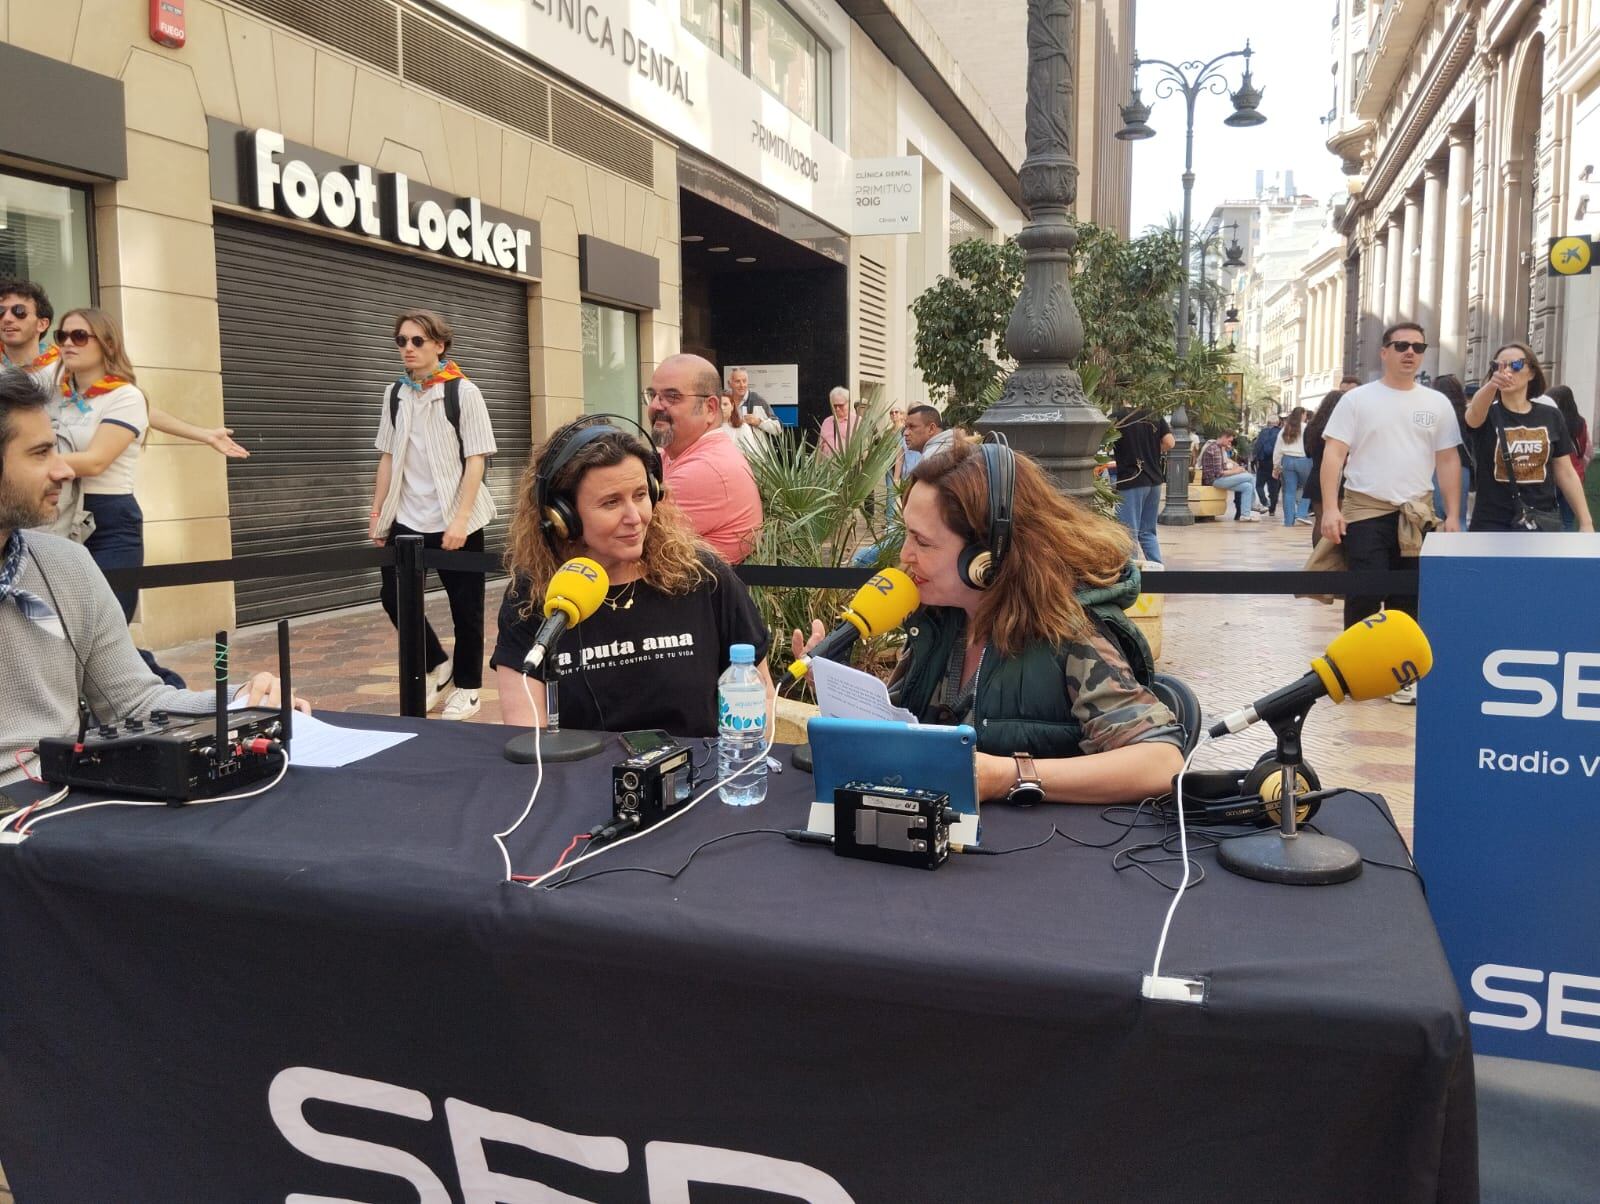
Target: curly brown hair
<point>1057,546</point>
<point>673,559</point>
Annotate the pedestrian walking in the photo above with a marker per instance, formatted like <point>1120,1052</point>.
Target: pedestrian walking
<point>1292,467</point>
<point>436,440</point>
<point>1315,446</point>
<point>1268,483</point>
<point>839,426</point>
<point>1142,439</point>
<point>1582,450</point>
<point>1387,439</point>
<point>1523,448</point>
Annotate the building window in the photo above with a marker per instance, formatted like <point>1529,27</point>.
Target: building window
<point>773,47</point>
<point>44,237</point>
<point>610,361</point>
<point>967,223</point>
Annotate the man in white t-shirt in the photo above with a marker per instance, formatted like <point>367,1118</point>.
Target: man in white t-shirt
<point>1387,439</point>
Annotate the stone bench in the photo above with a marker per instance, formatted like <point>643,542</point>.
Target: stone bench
<point>1207,501</point>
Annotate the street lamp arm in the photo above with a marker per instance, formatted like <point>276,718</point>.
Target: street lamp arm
<point>1191,75</point>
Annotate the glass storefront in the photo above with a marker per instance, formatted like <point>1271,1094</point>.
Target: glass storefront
<point>611,361</point>
<point>44,237</point>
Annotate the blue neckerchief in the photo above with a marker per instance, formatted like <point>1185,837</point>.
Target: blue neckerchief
<point>34,607</point>
<point>77,398</point>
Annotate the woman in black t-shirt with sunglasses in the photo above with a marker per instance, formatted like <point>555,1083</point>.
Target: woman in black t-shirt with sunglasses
<point>1507,419</point>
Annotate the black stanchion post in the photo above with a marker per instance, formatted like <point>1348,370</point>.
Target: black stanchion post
<point>409,623</point>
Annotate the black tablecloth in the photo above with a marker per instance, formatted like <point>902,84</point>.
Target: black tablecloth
<point>976,1033</point>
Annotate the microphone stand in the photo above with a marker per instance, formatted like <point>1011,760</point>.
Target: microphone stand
<point>554,743</point>
<point>1288,855</point>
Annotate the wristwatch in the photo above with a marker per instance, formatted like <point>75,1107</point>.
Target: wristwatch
<point>1029,788</point>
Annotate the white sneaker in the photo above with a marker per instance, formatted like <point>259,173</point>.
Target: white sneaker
<point>1406,696</point>
<point>463,704</point>
<point>1250,518</point>
<point>438,681</point>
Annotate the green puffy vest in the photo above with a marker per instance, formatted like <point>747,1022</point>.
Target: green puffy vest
<point>1022,703</point>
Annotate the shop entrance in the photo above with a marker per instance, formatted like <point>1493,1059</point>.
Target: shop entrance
<point>307,354</point>
<point>753,296</point>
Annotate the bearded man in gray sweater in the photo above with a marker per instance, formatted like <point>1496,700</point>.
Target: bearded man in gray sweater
<point>62,634</point>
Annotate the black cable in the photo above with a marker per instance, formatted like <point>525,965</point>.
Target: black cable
<point>1411,867</point>
<point>1127,828</point>
<point>669,874</point>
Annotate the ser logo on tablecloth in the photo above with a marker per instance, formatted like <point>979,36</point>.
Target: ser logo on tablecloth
<point>671,1167</point>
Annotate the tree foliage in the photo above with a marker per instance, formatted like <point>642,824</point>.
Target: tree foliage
<point>1123,289</point>
<point>961,323</point>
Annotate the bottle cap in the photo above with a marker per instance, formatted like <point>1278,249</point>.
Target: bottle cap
<point>742,654</point>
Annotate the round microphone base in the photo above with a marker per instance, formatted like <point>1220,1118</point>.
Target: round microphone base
<point>1304,859</point>
<point>800,758</point>
<point>565,745</point>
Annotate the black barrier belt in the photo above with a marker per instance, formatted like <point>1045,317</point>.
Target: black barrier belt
<point>771,576</point>
<point>249,568</point>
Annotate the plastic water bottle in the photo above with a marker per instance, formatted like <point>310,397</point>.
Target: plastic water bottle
<point>742,728</point>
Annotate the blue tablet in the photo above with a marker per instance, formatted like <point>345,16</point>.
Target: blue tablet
<point>921,756</point>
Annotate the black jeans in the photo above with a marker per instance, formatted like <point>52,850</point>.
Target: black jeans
<point>1268,487</point>
<point>1374,544</point>
<point>465,591</point>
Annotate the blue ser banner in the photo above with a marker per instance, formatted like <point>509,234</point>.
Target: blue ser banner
<point>1508,785</point>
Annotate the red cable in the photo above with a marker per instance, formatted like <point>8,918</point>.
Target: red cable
<point>565,853</point>
<point>22,765</point>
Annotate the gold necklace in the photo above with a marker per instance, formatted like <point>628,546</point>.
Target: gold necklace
<point>624,598</point>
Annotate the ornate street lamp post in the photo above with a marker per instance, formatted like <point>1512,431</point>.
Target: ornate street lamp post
<point>1042,410</point>
<point>1190,78</point>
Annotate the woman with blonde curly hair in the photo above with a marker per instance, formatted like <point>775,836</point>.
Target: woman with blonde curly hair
<point>1022,635</point>
<point>650,656</point>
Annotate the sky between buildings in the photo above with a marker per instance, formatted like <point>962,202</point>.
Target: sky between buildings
<point>1292,64</point>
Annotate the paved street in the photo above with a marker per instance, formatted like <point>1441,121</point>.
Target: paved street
<point>1231,650</point>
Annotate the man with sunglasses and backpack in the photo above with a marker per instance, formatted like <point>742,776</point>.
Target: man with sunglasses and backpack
<point>436,441</point>
<point>1386,440</point>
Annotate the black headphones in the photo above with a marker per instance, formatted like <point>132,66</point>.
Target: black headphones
<point>979,564</point>
<point>558,513</point>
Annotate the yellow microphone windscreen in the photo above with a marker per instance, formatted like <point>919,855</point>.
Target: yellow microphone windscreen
<point>576,590</point>
<point>882,604</point>
<point>1375,657</point>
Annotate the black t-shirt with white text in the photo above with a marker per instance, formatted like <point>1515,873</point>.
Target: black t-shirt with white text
<point>1536,440</point>
<point>1137,450</point>
<point>652,664</point>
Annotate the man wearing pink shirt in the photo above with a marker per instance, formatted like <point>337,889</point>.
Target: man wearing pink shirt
<point>839,426</point>
<point>708,478</point>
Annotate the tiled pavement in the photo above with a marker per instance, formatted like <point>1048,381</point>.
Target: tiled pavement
<point>1230,649</point>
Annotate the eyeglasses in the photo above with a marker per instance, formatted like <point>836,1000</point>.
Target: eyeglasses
<point>670,397</point>
<point>1509,365</point>
<point>78,338</point>
<point>1402,346</point>
<point>415,340</point>
<point>17,311</point>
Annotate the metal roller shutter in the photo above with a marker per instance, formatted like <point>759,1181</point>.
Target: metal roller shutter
<point>307,354</point>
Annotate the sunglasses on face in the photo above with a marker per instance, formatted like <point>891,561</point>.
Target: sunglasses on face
<point>78,338</point>
<point>1402,346</point>
<point>415,340</point>
<point>1510,365</point>
<point>17,311</point>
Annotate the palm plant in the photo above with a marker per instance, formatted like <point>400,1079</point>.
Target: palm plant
<point>816,515</point>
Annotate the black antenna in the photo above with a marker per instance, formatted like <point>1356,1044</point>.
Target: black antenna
<point>219,665</point>
<point>286,700</point>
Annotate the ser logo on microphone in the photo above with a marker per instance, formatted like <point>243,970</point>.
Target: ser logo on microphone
<point>580,569</point>
<point>882,584</point>
<point>1406,673</point>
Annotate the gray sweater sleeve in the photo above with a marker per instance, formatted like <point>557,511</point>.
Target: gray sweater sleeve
<point>116,681</point>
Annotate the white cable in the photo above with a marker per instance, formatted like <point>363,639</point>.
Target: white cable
<point>1183,845</point>
<point>772,730</point>
<point>50,800</point>
<point>124,802</point>
<point>538,781</point>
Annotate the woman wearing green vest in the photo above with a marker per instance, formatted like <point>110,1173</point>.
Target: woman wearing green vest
<point>1022,634</point>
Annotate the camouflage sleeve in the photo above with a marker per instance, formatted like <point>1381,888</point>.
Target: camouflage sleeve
<point>1114,709</point>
